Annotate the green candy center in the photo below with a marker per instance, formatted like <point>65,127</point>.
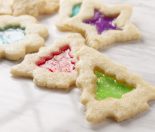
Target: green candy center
<point>109,87</point>
<point>75,9</point>
<point>11,34</point>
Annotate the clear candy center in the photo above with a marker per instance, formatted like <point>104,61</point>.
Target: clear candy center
<point>101,22</point>
<point>11,34</point>
<point>76,9</point>
<point>59,61</point>
<point>109,87</point>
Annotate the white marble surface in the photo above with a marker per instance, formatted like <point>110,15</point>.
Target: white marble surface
<point>27,108</point>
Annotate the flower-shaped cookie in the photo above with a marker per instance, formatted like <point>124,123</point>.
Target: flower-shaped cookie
<point>100,24</point>
<point>35,7</point>
<point>20,35</point>
<point>54,66</point>
<point>109,90</point>
<point>28,7</point>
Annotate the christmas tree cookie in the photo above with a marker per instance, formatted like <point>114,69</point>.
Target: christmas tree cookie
<point>20,35</point>
<point>109,90</point>
<point>53,66</point>
<point>101,25</point>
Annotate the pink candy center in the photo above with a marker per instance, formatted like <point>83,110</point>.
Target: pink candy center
<point>59,61</point>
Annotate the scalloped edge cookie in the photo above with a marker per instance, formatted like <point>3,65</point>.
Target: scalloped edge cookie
<point>95,40</point>
<point>43,77</point>
<point>129,105</point>
<point>28,7</point>
<point>33,40</point>
<point>35,7</point>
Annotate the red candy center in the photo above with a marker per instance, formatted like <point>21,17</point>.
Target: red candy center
<point>59,61</point>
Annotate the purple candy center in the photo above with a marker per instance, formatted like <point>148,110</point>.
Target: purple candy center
<point>101,22</point>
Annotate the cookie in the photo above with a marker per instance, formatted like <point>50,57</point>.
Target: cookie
<point>51,6</point>
<point>101,25</point>
<point>5,7</point>
<point>20,35</point>
<point>53,66</point>
<point>34,7</point>
<point>109,90</point>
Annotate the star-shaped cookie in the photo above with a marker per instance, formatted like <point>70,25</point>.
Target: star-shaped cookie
<point>20,35</point>
<point>109,90</point>
<point>53,66</point>
<point>100,24</point>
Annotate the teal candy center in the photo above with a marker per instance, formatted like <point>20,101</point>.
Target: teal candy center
<point>11,34</point>
<point>75,9</point>
<point>109,87</point>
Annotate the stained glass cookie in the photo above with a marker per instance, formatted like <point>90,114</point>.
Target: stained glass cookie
<point>100,24</point>
<point>34,7</point>
<point>53,66</point>
<point>109,90</point>
<point>20,35</point>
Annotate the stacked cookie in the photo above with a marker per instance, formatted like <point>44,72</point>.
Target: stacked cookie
<point>109,90</point>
